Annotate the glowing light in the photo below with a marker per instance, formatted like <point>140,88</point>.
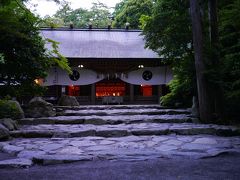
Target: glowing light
<point>36,81</point>
<point>39,81</point>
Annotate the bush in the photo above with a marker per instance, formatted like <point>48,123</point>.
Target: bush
<point>10,109</point>
<point>183,85</point>
<point>180,94</point>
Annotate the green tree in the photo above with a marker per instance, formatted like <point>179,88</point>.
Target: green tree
<point>131,11</point>
<point>98,15</point>
<point>64,13</point>
<point>52,22</point>
<point>168,32</point>
<point>229,32</point>
<point>22,50</point>
<point>207,60</point>
<point>79,18</point>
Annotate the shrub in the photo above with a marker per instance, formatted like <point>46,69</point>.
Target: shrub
<point>10,109</point>
<point>180,93</point>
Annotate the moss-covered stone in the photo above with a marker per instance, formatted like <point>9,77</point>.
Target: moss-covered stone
<point>38,107</point>
<point>10,109</point>
<point>68,101</point>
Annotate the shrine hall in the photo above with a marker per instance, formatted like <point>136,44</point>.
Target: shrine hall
<point>110,66</point>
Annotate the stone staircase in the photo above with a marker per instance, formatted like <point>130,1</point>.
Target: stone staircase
<point>120,132</point>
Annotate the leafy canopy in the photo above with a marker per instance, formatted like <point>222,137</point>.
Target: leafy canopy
<point>99,16</point>
<point>229,31</point>
<point>22,52</point>
<point>167,31</point>
<point>131,11</point>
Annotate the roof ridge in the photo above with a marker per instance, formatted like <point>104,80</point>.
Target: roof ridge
<point>86,29</point>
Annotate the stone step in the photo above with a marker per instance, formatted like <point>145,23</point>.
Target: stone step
<point>117,112</point>
<point>130,148</point>
<point>120,130</point>
<point>16,163</point>
<point>109,107</point>
<point>110,119</point>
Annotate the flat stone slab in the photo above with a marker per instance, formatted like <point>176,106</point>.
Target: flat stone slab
<point>11,149</point>
<point>64,150</point>
<point>119,130</point>
<point>109,107</point>
<point>60,158</point>
<point>108,119</point>
<point>127,111</point>
<point>16,163</point>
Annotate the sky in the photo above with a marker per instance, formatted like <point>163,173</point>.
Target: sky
<point>45,7</point>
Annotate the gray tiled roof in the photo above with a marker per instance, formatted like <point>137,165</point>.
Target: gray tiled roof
<point>99,43</point>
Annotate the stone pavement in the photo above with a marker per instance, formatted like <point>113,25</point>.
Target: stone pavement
<point>122,132</point>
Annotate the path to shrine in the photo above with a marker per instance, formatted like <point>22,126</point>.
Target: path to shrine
<point>116,133</point>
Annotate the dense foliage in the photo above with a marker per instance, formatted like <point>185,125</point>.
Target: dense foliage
<point>8,109</point>
<point>23,56</point>
<point>183,86</point>
<point>230,54</point>
<point>168,32</point>
<point>131,11</point>
<point>22,48</point>
<point>99,16</point>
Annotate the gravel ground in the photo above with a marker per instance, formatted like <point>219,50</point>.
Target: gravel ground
<point>226,166</point>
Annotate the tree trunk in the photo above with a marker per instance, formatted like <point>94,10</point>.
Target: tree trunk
<point>205,105</point>
<point>217,90</point>
<point>213,22</point>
